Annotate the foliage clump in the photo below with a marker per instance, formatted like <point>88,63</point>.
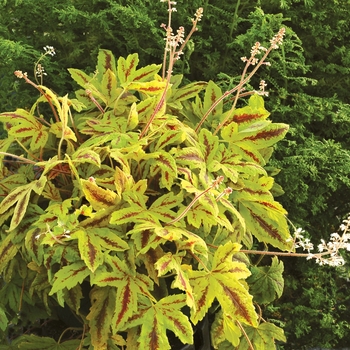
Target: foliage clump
<point>142,190</point>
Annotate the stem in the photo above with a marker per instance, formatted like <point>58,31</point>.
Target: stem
<point>302,255</point>
<point>25,160</point>
<point>199,261</point>
<point>236,89</point>
<point>170,46</point>
<point>44,94</point>
<point>195,199</point>
<point>245,335</point>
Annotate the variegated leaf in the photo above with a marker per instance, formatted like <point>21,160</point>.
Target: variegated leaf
<point>222,283</point>
<point>8,250</point>
<point>149,88</point>
<point>89,248</point>
<point>127,67</point>
<point>145,73</point>
<point>172,262</point>
<point>86,156</point>
<point>98,197</point>
<point>157,318</point>
<point>69,276</point>
<point>100,315</point>
<point>267,222</point>
<point>212,93</point>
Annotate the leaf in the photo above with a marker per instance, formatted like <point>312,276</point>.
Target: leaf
<point>127,67</point>
<point>33,342</point>
<point>267,222</point>
<point>100,315</point>
<point>171,262</point>
<point>212,93</point>
<point>110,240</point>
<point>190,156</point>
<point>266,283</point>
<point>89,248</point>
<point>222,283</point>
<point>252,113</point>
<point>98,197</point>
<point>263,138</point>
<point>161,208</point>
<point>8,250</point>
<point>156,318</point>
<point>262,337</point>
<point>167,166</point>
<point>133,118</point>
<point>24,124</point>
<point>145,73</point>
<point>188,91</point>
<point>86,156</point>
<point>149,88</point>
<point>109,88</point>
<point>69,276</point>
<point>105,62</point>
<point>3,319</point>
<point>80,77</point>
<point>20,196</point>
<point>58,129</point>
<point>129,284</point>
<point>169,137</point>
<point>224,328</point>
<point>209,145</point>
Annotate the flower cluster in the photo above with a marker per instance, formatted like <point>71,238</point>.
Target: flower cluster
<point>40,71</point>
<point>329,252</point>
<point>49,50</point>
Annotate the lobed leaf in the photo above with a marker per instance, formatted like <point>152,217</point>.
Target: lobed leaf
<point>266,282</point>
<point>69,276</point>
<point>100,315</point>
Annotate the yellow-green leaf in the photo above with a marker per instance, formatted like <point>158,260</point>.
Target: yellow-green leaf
<point>100,316</point>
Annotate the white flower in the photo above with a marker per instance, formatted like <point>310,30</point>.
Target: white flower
<point>49,50</point>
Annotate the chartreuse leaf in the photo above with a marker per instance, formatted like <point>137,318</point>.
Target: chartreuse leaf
<point>20,196</point>
<point>93,241</point>
<point>89,248</point>
<point>223,283</point>
<point>7,250</point>
<point>24,124</point>
<point>129,285</point>
<point>266,220</point>
<point>212,93</point>
<point>69,276</point>
<point>254,112</point>
<point>133,118</point>
<point>145,73</point>
<point>100,316</point>
<point>156,318</point>
<point>266,282</point>
<point>224,328</point>
<point>266,137</point>
<point>209,145</point>
<point>98,197</point>
<point>105,62</point>
<point>166,165</point>
<point>149,88</point>
<point>171,262</point>
<point>127,67</point>
<point>188,91</point>
<point>33,342</point>
<point>86,156</point>
<point>262,337</point>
